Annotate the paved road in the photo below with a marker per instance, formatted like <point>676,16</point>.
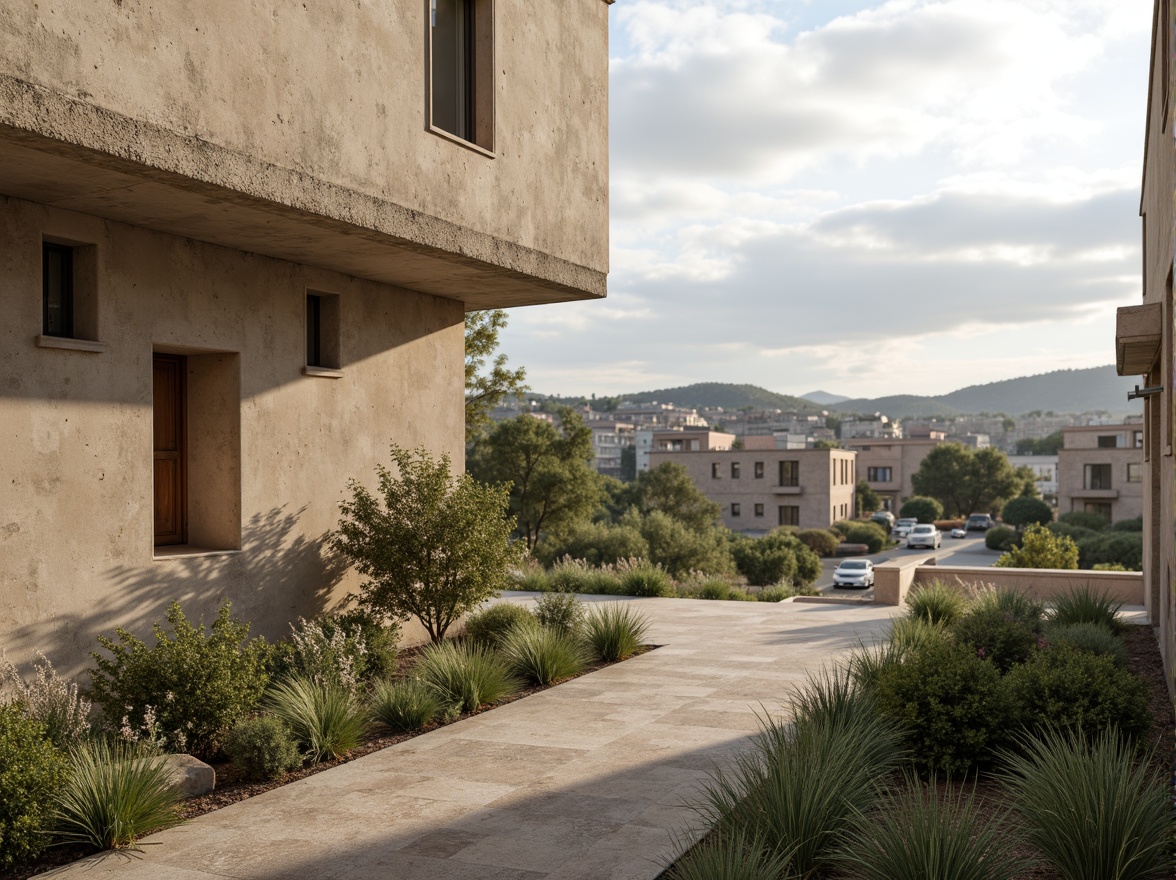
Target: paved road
<point>955,551</point>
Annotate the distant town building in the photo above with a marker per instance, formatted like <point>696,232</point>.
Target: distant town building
<point>1100,470</point>
<point>658,415</point>
<point>609,440</point>
<point>1046,468</point>
<point>878,427</point>
<point>887,466</point>
<point>679,440</point>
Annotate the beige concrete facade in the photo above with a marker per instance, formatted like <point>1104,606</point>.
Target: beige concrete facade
<point>886,465</point>
<point>209,166</point>
<point>1101,470</point>
<point>760,490</point>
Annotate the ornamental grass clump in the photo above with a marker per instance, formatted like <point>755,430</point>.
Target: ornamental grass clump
<point>116,792</point>
<point>732,856</point>
<point>465,676</point>
<point>326,719</point>
<point>403,706</point>
<point>1092,807</point>
<point>614,631</point>
<point>912,633</point>
<point>1087,605</point>
<point>543,656</point>
<point>1013,603</point>
<point>490,626</point>
<point>936,603</point>
<point>263,747</point>
<point>639,577</point>
<point>924,832</point>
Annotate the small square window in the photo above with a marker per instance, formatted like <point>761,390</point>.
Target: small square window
<point>789,515</point>
<point>1134,472</point>
<point>734,510</point>
<point>759,470</point>
<point>461,70</point>
<point>759,510</point>
<point>734,470</point>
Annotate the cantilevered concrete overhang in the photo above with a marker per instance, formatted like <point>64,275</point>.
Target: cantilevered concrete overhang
<point>66,153</point>
<point>1138,336</point>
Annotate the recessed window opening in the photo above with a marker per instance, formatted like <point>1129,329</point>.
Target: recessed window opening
<point>322,331</point>
<point>461,71</point>
<point>57,290</point>
<point>314,330</point>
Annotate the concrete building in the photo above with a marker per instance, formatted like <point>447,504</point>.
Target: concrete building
<point>1100,470</point>
<point>1046,468</point>
<point>877,428</point>
<point>239,242</point>
<point>887,465</point>
<point>609,441</point>
<point>678,440</point>
<point>761,489</point>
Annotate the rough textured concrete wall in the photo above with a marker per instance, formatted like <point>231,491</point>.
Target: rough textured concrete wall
<point>338,93</point>
<point>76,526</point>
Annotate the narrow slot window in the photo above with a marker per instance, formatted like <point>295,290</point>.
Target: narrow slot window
<point>57,290</point>
<point>314,330</point>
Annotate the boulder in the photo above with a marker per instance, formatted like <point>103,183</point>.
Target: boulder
<point>190,777</point>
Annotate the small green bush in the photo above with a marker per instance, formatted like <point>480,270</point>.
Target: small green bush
<point>936,602</point>
<point>597,543</point>
<point>1092,638</point>
<point>490,626</point>
<point>31,771</point>
<point>777,556</point>
<point>641,578</point>
<point>404,705</point>
<point>1001,538</point>
<point>1084,520</point>
<point>533,580</point>
<point>327,650</point>
<point>1128,525</point>
<point>325,719</point>
<point>543,656</point>
<point>821,541</point>
<point>1109,566</point>
<point>868,533</point>
<point>842,527</point>
<point>995,636</point>
<point>116,792</point>
<point>1041,548</point>
<point>263,747</point>
<point>1013,603</point>
<point>614,632</point>
<point>464,677</point>
<point>1074,533</point>
<point>50,700</point>
<point>1061,687</point>
<point>561,612</point>
<point>776,594</point>
<point>196,684</point>
<point>952,705</point>
<point>1124,548</point>
<point>1024,511</point>
<point>924,509</point>
<point>574,576</point>
<point>1087,605</point>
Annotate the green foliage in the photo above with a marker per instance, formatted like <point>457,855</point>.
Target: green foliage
<point>1076,533</point>
<point>403,706</point>
<point>325,650</point>
<point>560,612</point>
<point>196,684</point>
<point>575,576</point>
<point>115,793</point>
<point>951,705</point>
<point>966,480</point>
<point>1041,548</point>
<point>1086,604</point>
<point>614,631</point>
<point>49,700</point>
<point>1122,548</point>
<point>867,499</point>
<point>679,549</point>
<point>936,603</point>
<point>842,527</point>
<point>640,578</point>
<point>530,580</point>
<point>597,543</point>
<point>1091,638</point>
<point>1065,688</point>
<point>548,469</point>
<point>668,489</point>
<point>1013,603</point>
<point>543,656</point>
<point>325,719</point>
<point>485,389</point>
<point>1023,511</point>
<point>868,533</point>
<point>928,832</point>
<point>1050,445</point>
<point>779,594</point>
<point>926,510</point>
<point>490,627</point>
<point>430,545</point>
<point>31,771</point>
<point>1084,520</point>
<point>821,541</point>
<point>777,556</point>
<point>1128,525</point>
<point>263,747</point>
<point>1109,566</point>
<point>1001,538</point>
<point>731,856</point>
<point>995,636</point>
<point>912,633</point>
<point>1091,808</point>
<point>464,677</point>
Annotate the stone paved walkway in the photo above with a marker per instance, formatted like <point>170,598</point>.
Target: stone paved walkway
<point>585,780</point>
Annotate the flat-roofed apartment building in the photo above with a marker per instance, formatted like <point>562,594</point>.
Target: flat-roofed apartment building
<point>1101,470</point>
<point>761,489</point>
<point>239,241</point>
<point>887,464</point>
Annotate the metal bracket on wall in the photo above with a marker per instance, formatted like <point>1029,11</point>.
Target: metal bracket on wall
<point>1144,392</point>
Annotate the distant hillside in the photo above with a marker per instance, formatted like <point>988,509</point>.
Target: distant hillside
<point>897,406</point>
<point>823,398</point>
<point>720,394</point>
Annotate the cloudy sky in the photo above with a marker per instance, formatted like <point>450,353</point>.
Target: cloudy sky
<point>861,197</point>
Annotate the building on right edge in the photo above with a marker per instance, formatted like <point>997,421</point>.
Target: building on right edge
<point>1100,470</point>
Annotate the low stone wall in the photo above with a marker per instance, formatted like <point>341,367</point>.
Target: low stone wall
<point>893,580</point>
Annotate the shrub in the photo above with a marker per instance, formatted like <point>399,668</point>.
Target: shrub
<point>532,580</point>
<point>1041,548</point>
<point>936,602</point>
<point>575,576</point>
<point>1091,808</point>
<point>404,705</point>
<point>767,560</point>
<point>1013,603</point>
<point>116,792</point>
<point>718,590</point>
<point>324,651</point>
<point>560,612</point>
<point>543,656</point>
<point>680,549</point>
<point>263,747</point>
<point>31,771</point>
<point>1001,538</point>
<point>911,633</point>
<point>641,578</point>
<point>50,700</point>
<point>492,625</point>
<point>921,833</point>
<point>1128,525</point>
<point>614,632</point>
<point>325,719</point>
<point>733,856</point>
<point>821,541</point>
<point>1076,533</point>
<point>776,594</point>
<point>842,527</point>
<point>1124,548</point>
<point>464,677</point>
<point>381,638</point>
<point>951,705</point>
<point>996,636</point>
<point>870,534</point>
<point>1091,638</point>
<point>1087,605</point>
<point>926,510</point>
<point>1065,688</point>
<point>1082,519</point>
<point>597,543</point>
<point>1109,566</point>
<point>1024,511</point>
<point>195,684</point>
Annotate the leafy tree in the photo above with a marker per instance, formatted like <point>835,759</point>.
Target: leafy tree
<point>628,464</point>
<point>597,543</point>
<point>1041,548</point>
<point>430,544</point>
<point>486,385</point>
<point>679,549</point>
<point>668,488</point>
<point>1045,446</point>
<point>867,499</point>
<point>826,444</point>
<point>965,480</point>
<point>549,469</point>
<point>775,557</point>
<point>1028,479</point>
<point>925,510</point>
<point>1023,511</point>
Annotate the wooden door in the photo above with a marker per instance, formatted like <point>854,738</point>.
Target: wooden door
<point>170,432</point>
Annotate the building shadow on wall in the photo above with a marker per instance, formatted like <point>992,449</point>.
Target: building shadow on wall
<point>278,575</point>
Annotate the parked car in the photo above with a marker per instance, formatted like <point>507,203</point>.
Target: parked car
<point>883,518</point>
<point>903,527</point>
<point>959,533</point>
<point>854,573</point>
<point>924,535</point>
<point>981,522</point>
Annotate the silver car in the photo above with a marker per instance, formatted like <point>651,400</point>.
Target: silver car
<point>924,536</point>
<point>854,573</point>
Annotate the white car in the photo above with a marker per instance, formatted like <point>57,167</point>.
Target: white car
<point>924,536</point>
<point>854,573</point>
<point>959,533</point>
<point>903,527</point>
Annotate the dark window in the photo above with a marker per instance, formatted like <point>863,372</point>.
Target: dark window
<point>57,285</point>
<point>759,470</point>
<point>759,510</point>
<point>734,470</point>
<point>878,474</point>
<point>790,473</point>
<point>452,28</point>
<point>1108,442</point>
<point>715,470</point>
<point>314,330</point>
<point>734,510</point>
<point>789,515</point>
<point>1098,476</point>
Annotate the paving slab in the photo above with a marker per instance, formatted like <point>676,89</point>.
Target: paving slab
<point>589,779</point>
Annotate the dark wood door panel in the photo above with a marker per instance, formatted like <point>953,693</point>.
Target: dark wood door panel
<point>169,431</point>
